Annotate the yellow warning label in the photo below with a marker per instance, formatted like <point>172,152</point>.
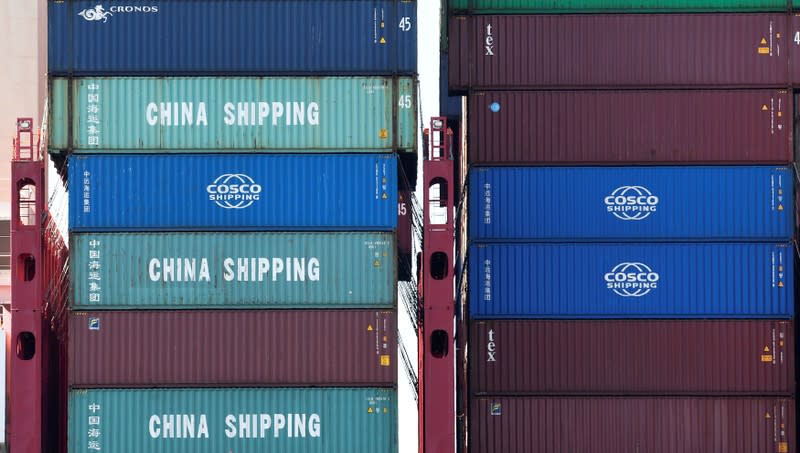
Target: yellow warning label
<point>766,348</point>
<point>780,284</point>
<point>385,338</point>
<point>768,416</point>
<point>383,41</point>
<point>778,35</point>
<point>783,447</point>
<point>383,25</point>
<point>385,410</point>
<point>384,134</point>
<point>384,196</point>
<point>766,358</point>
<point>369,328</point>
<point>764,108</point>
<point>780,207</point>
<point>780,343</point>
<point>780,114</point>
<point>763,41</point>
<point>376,263</point>
<point>385,360</point>
<point>763,50</point>
<point>369,411</point>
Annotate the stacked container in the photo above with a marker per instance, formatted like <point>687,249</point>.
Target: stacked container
<point>630,223</point>
<point>233,174</point>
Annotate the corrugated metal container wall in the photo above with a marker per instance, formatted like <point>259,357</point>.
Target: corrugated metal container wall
<point>605,6</point>
<point>234,419</point>
<point>241,37</point>
<point>233,348</point>
<point>314,114</point>
<point>609,127</point>
<point>632,425</point>
<point>232,270</point>
<point>233,191</point>
<point>632,357</point>
<point>515,52</point>
<point>631,203</point>
<point>726,280</point>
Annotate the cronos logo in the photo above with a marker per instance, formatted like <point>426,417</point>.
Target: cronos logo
<point>631,279</point>
<point>234,191</point>
<point>631,203</point>
<point>99,13</point>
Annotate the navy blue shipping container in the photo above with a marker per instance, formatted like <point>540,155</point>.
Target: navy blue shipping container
<point>636,203</point>
<point>172,37</point>
<point>596,281</point>
<point>209,192</point>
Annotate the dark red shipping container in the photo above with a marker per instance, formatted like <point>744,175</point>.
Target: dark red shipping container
<point>629,357</point>
<point>632,425</point>
<point>622,50</point>
<point>227,348</point>
<point>649,127</point>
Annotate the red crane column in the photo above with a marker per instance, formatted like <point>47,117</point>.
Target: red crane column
<point>24,366</point>
<point>437,370</point>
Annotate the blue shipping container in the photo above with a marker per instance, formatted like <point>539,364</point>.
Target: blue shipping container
<point>642,203</point>
<point>189,37</point>
<point>680,280</point>
<point>209,192</point>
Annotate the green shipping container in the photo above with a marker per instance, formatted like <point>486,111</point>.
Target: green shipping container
<point>240,420</point>
<point>232,270</point>
<point>259,114</point>
<point>606,6</point>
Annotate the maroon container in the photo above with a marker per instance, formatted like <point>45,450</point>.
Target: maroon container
<point>611,127</point>
<point>632,425</point>
<point>232,348</point>
<point>627,50</point>
<point>632,357</point>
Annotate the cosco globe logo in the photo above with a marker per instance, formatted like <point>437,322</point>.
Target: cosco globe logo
<point>631,279</point>
<point>234,191</point>
<point>631,203</point>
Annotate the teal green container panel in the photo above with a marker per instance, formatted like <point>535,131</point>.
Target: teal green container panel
<point>111,271</point>
<point>240,420</point>
<point>258,114</point>
<point>619,6</point>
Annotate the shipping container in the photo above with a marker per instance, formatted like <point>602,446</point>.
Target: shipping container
<point>608,6</point>
<point>635,127</point>
<point>233,348</point>
<point>632,425</point>
<point>689,357</point>
<point>232,270</point>
<point>602,280</point>
<point>232,114</point>
<point>233,192</point>
<point>192,37</point>
<point>631,203</point>
<point>604,51</point>
<point>240,420</point>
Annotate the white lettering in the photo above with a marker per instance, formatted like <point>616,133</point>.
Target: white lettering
<point>154,427</point>
<point>230,423</point>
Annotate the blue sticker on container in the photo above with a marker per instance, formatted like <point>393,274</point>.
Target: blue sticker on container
<point>94,323</point>
<point>497,409</point>
<point>494,107</point>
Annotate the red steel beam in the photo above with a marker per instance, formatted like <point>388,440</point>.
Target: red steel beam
<point>437,370</point>
<point>24,371</point>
